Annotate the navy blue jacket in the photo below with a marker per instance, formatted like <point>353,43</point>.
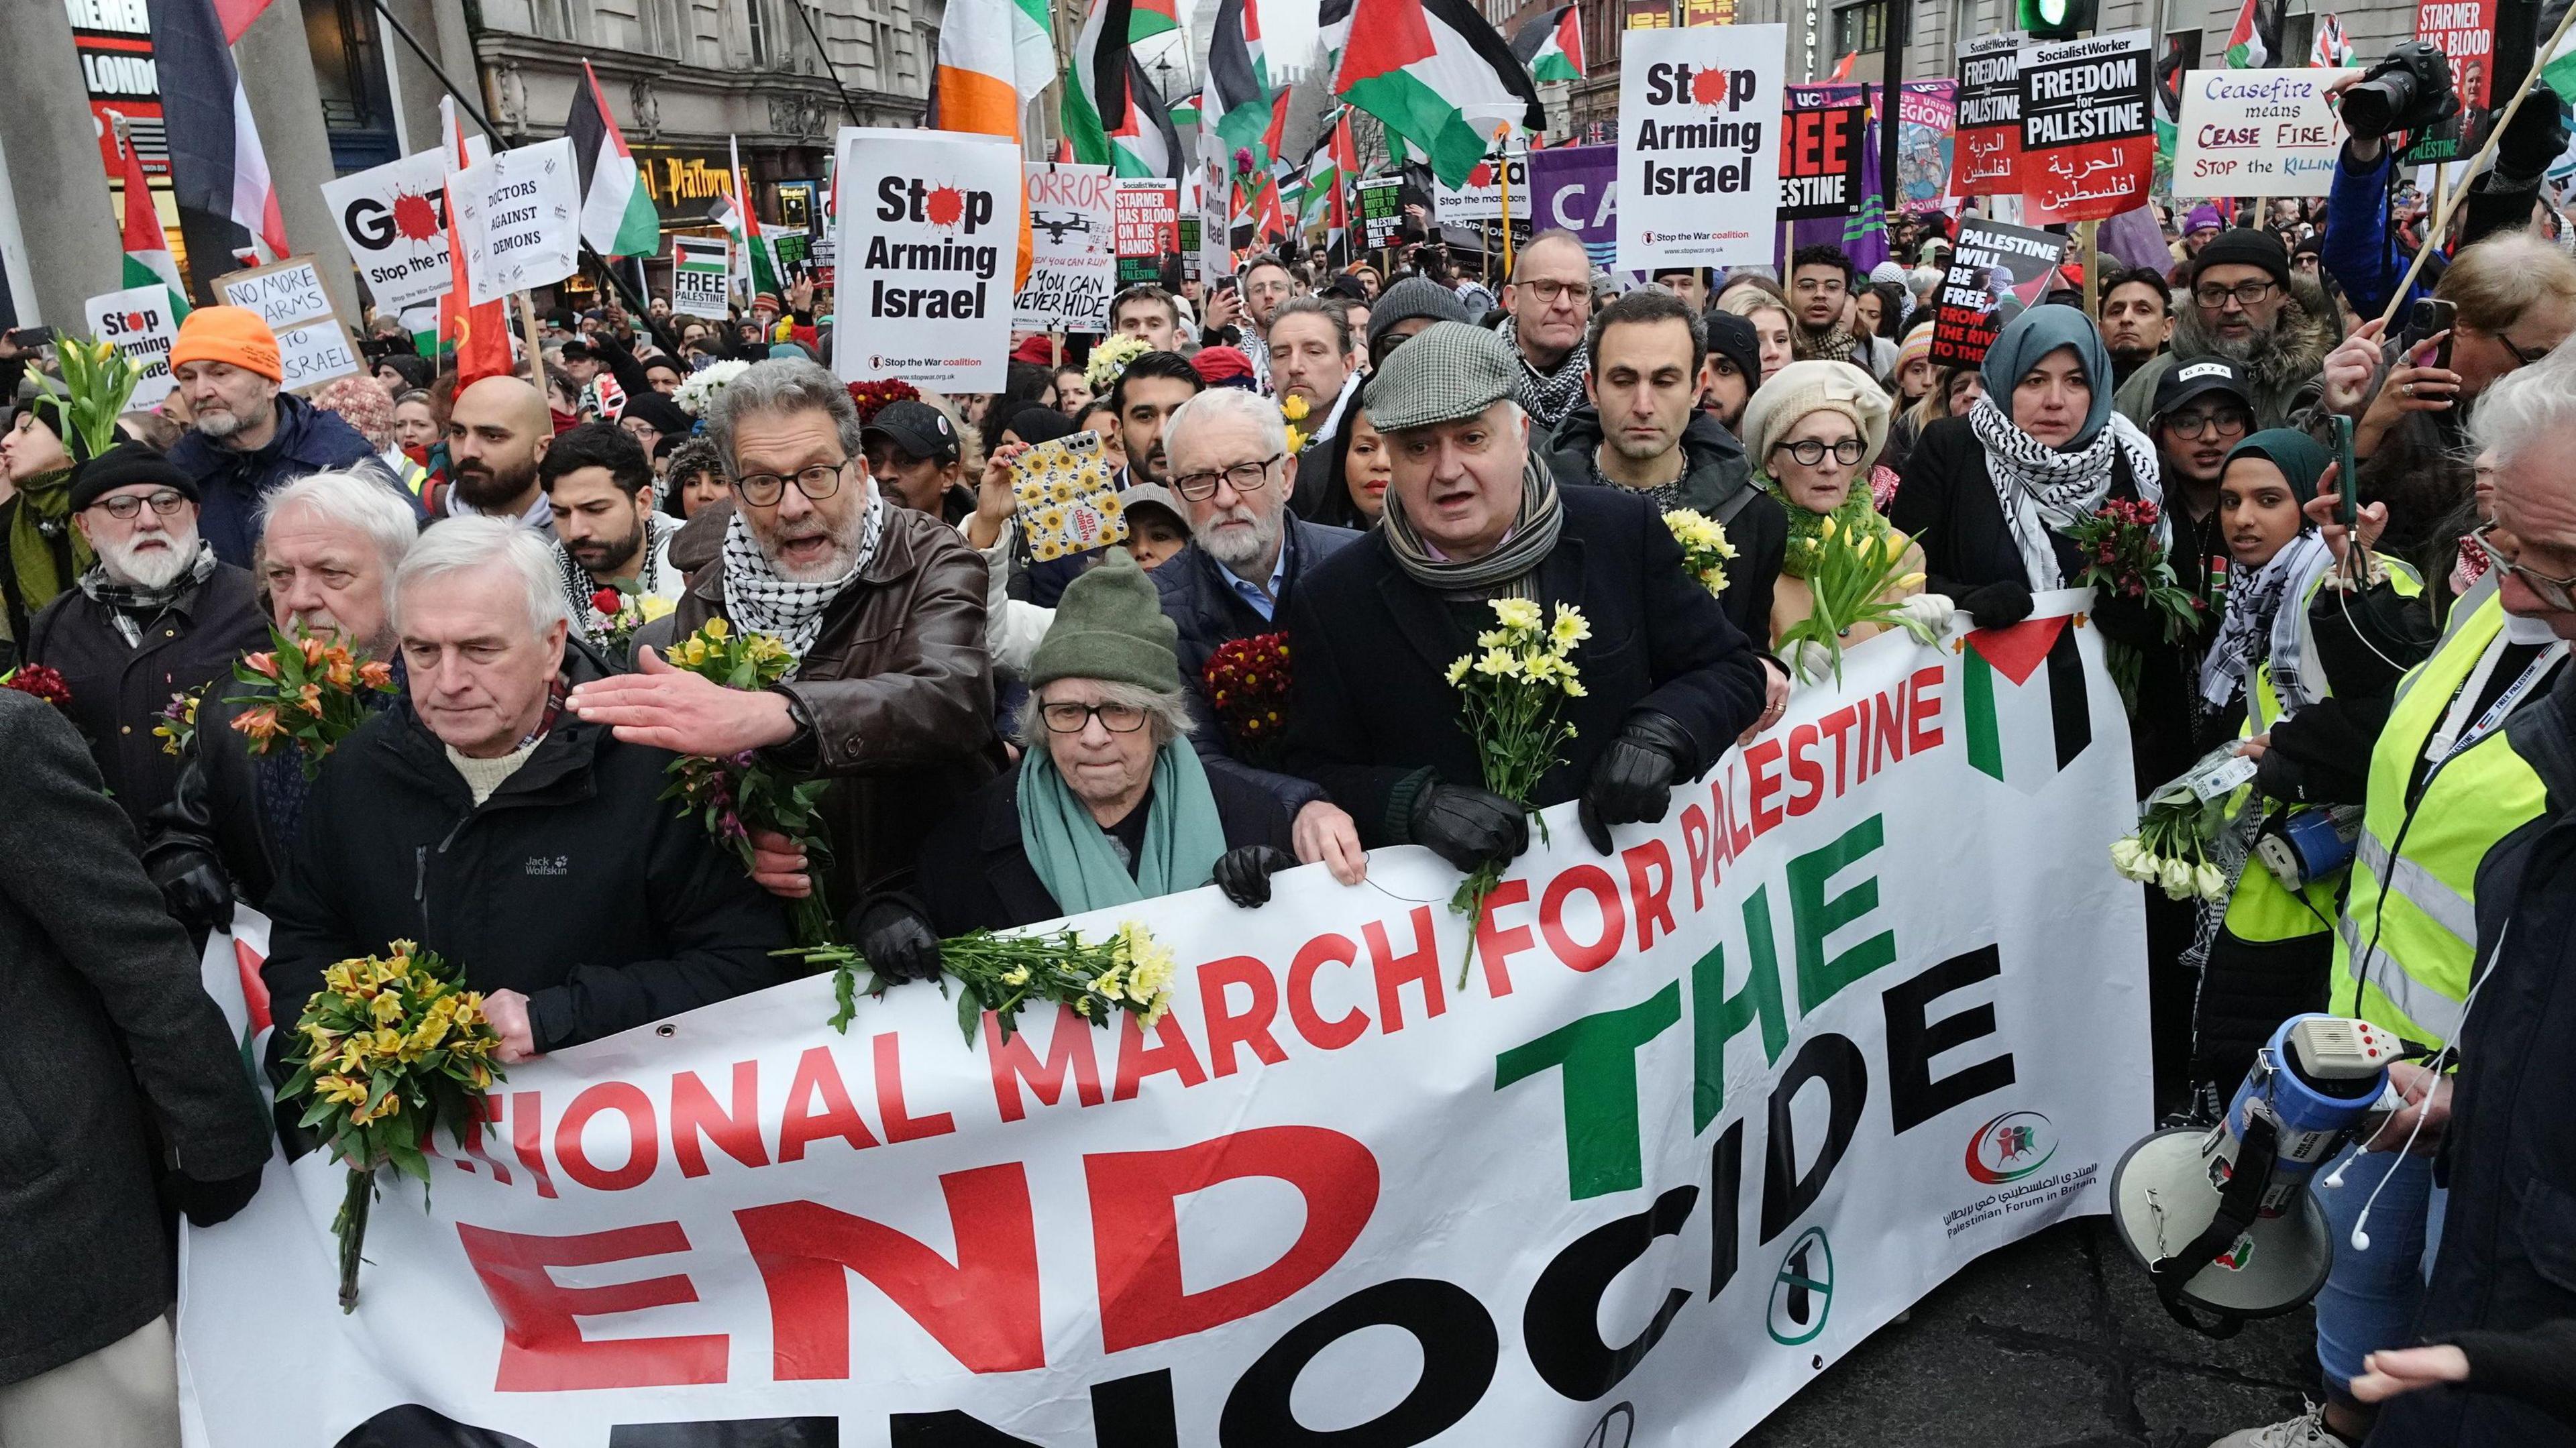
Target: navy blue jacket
<point>230,484</point>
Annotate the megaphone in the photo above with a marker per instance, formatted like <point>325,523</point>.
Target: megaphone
<point>2222,1218</point>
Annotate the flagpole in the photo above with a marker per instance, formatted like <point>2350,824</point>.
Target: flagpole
<point>536,352</point>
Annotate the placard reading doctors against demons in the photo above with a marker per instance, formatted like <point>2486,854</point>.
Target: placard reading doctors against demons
<point>930,254</point>
<point>1699,152</point>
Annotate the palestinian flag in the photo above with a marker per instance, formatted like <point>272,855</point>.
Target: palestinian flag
<point>2331,48</point>
<point>1414,64</point>
<point>1551,45</point>
<point>2256,40</point>
<point>1323,179</point>
<point>1152,17</point>
<point>2025,706</point>
<point>734,213</point>
<point>617,215</point>
<point>1185,112</point>
<point>1237,106</point>
<point>1112,113</point>
<point>2559,71</point>
<point>147,247</point>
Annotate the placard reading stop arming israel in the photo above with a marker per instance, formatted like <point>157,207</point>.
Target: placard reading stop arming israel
<point>1699,147</point>
<point>1704,1114</point>
<point>930,255</point>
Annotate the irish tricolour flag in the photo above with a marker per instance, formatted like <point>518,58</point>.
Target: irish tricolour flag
<point>1423,67</point>
<point>2023,703</point>
<point>617,216</point>
<point>1551,45</point>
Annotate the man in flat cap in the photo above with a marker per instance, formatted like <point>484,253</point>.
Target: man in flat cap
<point>1474,515</point>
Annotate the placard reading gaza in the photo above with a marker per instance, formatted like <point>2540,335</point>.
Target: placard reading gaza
<point>394,219</point>
<point>2088,129</point>
<point>928,224</point>
<point>1699,158</point>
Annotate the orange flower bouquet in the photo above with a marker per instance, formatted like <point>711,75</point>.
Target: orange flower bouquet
<point>305,693</point>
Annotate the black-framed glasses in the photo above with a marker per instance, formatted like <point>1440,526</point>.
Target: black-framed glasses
<point>2214,296</point>
<point>2520,355</point>
<point>2229,422</point>
<point>1547,289</point>
<point>1070,718</point>
<point>164,502</point>
<point>2558,593</point>
<point>817,482</point>
<point>1810,452</point>
<point>1244,478</point>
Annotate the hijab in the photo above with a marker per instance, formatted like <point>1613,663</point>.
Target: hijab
<point>2257,627</point>
<point>2044,490</point>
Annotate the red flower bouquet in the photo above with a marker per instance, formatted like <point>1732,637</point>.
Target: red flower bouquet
<point>1247,683</point>
<point>871,397</point>
<point>37,679</point>
<point>2125,560</point>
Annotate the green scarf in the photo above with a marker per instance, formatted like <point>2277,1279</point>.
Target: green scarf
<point>44,507</point>
<point>1806,530</point>
<point>1072,853</point>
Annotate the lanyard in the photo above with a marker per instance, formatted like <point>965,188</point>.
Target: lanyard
<point>2451,739</point>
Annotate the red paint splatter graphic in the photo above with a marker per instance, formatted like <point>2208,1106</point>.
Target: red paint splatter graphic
<point>1483,175</point>
<point>414,218</point>
<point>1708,87</point>
<point>946,206</point>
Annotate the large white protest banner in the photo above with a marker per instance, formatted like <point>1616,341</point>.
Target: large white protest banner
<point>518,216</point>
<point>143,325</point>
<point>1699,148</point>
<point>932,247</point>
<point>1706,1113</point>
<point>1073,261</point>
<point>394,219</point>
<point>2257,133</point>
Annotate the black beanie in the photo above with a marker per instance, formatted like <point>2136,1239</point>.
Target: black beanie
<point>123,466</point>
<point>2244,246</point>
<point>1732,337</point>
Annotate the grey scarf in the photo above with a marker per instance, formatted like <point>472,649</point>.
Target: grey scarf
<point>1506,571</point>
<point>756,598</point>
<point>129,605</point>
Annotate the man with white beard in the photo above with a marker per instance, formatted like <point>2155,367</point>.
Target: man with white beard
<point>155,616</point>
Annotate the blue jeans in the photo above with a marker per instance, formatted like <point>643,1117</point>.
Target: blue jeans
<point>2370,1298</point>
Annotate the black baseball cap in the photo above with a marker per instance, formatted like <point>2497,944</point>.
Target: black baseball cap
<point>2187,380</point>
<point>918,429</point>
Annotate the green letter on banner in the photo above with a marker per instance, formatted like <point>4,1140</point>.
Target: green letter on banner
<point>1816,917</point>
<point>1599,1054</point>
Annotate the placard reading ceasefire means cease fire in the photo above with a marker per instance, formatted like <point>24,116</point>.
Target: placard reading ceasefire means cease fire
<point>1869,1003</point>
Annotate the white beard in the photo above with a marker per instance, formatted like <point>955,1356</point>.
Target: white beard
<point>152,568</point>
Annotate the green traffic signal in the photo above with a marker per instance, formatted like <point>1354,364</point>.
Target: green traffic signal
<point>2057,19</point>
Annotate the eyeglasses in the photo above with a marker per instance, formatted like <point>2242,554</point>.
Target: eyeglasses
<point>1074,718</point>
<point>2520,354</point>
<point>164,503</point>
<point>1244,478</point>
<point>2558,593</point>
<point>2228,421</point>
<point>1809,451</point>
<point>1819,284</point>
<point>817,482</point>
<point>1548,290</point>
<point>2246,294</point>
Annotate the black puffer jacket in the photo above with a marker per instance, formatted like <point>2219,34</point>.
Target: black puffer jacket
<point>575,884</point>
<point>1717,480</point>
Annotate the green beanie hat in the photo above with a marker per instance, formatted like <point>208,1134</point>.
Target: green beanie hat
<point>1110,626</point>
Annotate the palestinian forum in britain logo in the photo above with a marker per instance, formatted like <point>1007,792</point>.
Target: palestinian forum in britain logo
<point>2011,1147</point>
<point>1803,1291</point>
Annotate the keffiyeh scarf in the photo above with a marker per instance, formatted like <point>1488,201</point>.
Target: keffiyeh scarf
<point>131,605</point>
<point>2262,623</point>
<point>2045,491</point>
<point>580,587</point>
<point>1548,396</point>
<point>756,598</point>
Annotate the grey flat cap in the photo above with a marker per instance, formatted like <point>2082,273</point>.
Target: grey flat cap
<point>1410,298</point>
<point>1448,371</point>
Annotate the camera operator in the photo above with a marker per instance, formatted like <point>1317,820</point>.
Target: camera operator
<point>2411,91</point>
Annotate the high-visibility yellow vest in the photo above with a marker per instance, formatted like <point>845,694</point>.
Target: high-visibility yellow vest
<point>2408,935</point>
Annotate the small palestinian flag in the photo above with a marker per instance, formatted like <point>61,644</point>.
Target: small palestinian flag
<point>1551,45</point>
<point>2026,708</point>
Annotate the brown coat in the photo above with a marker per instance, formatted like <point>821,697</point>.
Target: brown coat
<point>898,692</point>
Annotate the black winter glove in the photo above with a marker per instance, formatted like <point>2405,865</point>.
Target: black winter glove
<point>1244,872</point>
<point>207,1203</point>
<point>2537,137</point>
<point>1996,604</point>
<point>1468,827</point>
<point>1632,781</point>
<point>194,888</point>
<point>2126,620</point>
<point>895,941</point>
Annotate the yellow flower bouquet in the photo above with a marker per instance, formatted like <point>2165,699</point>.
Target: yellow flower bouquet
<point>737,794</point>
<point>1510,690</point>
<point>1129,971</point>
<point>1854,574</point>
<point>1705,550</point>
<point>392,1048</point>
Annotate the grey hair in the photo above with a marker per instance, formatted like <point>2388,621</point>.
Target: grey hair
<point>1167,716</point>
<point>1217,402</point>
<point>459,544</point>
<point>2530,408</point>
<point>782,385</point>
<point>365,499</point>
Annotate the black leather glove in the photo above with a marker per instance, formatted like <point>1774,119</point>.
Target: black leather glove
<point>1244,872</point>
<point>1468,827</point>
<point>194,888</point>
<point>1632,781</point>
<point>2537,137</point>
<point>2126,620</point>
<point>1996,604</point>
<point>895,941</point>
<point>207,1203</point>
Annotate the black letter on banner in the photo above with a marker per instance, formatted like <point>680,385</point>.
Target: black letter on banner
<point>1459,1350</point>
<point>738,1433</point>
<point>1561,1325</point>
<point>1725,1206</point>
<point>411,1423</point>
<point>1131,1412</point>
<point>1837,1062</point>
<point>1913,1097</point>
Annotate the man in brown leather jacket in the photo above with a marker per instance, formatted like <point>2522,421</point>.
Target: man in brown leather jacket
<point>892,693</point>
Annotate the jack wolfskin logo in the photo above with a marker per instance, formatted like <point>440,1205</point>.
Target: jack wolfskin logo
<point>549,864</point>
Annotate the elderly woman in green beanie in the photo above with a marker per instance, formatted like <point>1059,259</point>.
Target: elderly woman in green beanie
<point>1812,431</point>
<point>41,553</point>
<point>1109,805</point>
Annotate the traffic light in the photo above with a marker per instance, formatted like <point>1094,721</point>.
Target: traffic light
<point>2057,19</point>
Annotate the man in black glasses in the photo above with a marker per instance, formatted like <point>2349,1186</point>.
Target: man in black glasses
<point>2242,304</point>
<point>155,615</point>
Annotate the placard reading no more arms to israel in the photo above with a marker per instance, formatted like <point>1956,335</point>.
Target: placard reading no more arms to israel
<point>1706,1113</point>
